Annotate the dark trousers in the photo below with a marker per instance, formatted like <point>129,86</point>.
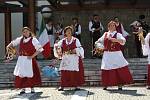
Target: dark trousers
<point>95,36</point>
<point>138,47</point>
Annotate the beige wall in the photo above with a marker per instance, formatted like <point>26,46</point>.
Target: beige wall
<point>16,24</point>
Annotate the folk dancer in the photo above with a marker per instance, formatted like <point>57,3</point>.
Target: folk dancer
<point>146,52</point>
<point>26,71</point>
<point>114,67</point>
<point>72,71</point>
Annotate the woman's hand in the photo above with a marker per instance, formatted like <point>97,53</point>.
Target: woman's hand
<point>29,57</point>
<point>113,39</point>
<point>116,40</point>
<point>74,51</point>
<point>8,46</point>
<point>35,54</point>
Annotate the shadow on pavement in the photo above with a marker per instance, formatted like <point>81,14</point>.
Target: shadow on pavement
<point>126,92</point>
<point>90,93</point>
<point>68,92</point>
<point>71,92</point>
<point>38,96</point>
<point>29,96</point>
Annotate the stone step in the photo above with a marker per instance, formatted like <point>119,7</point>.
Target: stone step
<point>140,82</point>
<point>87,73</point>
<point>85,64</point>
<point>143,60</point>
<point>87,76</point>
<point>138,68</point>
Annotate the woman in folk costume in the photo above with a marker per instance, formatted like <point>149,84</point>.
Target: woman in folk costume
<point>114,66</point>
<point>120,28</point>
<point>146,52</point>
<point>71,66</point>
<point>26,71</point>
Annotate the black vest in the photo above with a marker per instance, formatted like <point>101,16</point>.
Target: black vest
<point>50,31</point>
<point>76,28</point>
<point>95,24</point>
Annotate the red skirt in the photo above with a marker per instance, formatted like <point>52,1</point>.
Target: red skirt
<point>73,78</point>
<point>148,76</point>
<point>115,77</point>
<point>29,82</point>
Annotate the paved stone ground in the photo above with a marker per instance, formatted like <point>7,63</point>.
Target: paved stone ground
<point>86,93</point>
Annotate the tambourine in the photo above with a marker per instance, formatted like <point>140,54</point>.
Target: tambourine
<point>59,52</point>
<point>10,53</point>
<point>99,49</point>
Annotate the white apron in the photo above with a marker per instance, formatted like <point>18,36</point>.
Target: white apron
<point>113,60</point>
<point>23,67</point>
<point>70,62</point>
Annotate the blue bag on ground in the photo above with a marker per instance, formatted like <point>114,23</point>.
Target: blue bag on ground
<point>51,72</point>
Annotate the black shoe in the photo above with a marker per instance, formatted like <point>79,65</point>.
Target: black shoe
<point>32,90</point>
<point>77,89</point>
<point>60,89</point>
<point>148,87</point>
<point>22,92</point>
<point>105,88</point>
<point>119,88</point>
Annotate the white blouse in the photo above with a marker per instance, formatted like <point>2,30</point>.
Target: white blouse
<point>124,33</point>
<point>71,61</point>
<point>111,34</point>
<point>79,49</point>
<point>146,48</point>
<point>115,59</point>
<point>92,29</point>
<point>35,43</point>
<point>79,30</point>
